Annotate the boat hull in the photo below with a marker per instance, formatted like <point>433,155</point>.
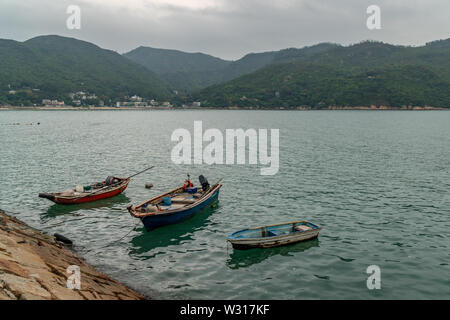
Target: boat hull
<point>271,242</point>
<point>152,222</point>
<point>84,199</point>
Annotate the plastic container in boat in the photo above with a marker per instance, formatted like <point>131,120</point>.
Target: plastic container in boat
<point>167,201</point>
<point>191,190</point>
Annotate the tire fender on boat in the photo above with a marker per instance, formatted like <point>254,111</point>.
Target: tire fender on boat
<point>62,239</point>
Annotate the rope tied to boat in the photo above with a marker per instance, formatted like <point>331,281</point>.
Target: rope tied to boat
<point>115,241</point>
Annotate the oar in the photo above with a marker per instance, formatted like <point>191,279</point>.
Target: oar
<point>219,181</point>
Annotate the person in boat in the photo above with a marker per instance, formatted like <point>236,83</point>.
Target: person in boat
<point>187,183</point>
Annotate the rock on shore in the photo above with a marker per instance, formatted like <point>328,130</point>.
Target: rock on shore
<point>34,266</point>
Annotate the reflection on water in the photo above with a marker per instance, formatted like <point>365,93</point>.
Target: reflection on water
<point>60,209</point>
<point>171,235</point>
<point>246,258</point>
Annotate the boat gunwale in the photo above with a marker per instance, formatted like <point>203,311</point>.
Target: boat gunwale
<point>206,196</point>
<point>125,182</point>
<point>230,237</point>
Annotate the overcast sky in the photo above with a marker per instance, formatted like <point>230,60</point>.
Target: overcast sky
<point>227,28</point>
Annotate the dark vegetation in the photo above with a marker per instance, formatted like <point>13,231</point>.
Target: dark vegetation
<point>364,74</point>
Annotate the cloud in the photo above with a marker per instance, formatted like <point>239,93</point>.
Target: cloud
<point>227,28</point>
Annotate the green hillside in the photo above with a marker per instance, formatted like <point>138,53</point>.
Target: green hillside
<point>364,74</point>
<point>369,73</point>
<point>189,72</point>
<point>183,71</point>
<point>163,61</point>
<point>53,66</point>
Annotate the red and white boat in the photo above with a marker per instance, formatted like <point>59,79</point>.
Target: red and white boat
<point>111,187</point>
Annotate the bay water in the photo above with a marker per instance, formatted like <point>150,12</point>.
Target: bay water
<point>377,182</point>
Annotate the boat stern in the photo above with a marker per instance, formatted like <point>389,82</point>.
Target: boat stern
<point>132,210</point>
<point>48,196</point>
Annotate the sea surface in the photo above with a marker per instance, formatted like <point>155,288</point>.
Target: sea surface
<point>377,182</point>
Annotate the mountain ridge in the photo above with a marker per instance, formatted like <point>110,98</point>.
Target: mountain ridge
<point>54,66</point>
<point>166,63</point>
<point>327,74</point>
<point>364,74</point>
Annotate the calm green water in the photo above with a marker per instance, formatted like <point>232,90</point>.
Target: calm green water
<point>377,182</point>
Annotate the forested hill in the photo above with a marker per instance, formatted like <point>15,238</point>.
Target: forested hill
<point>182,70</point>
<point>189,72</point>
<point>319,76</point>
<point>53,66</point>
<point>365,74</point>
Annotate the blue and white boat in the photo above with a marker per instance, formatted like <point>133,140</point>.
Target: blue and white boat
<point>274,235</point>
<point>176,205</point>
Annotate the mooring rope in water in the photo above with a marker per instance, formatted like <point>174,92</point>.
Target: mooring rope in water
<point>64,222</point>
<point>88,250</point>
<point>11,212</point>
<point>118,240</point>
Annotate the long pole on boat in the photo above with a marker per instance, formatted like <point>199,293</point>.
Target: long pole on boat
<point>134,175</point>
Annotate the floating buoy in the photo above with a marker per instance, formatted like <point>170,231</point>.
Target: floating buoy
<point>148,185</point>
<point>61,238</point>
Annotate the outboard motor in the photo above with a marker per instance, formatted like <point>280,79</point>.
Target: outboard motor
<point>110,180</point>
<point>203,182</point>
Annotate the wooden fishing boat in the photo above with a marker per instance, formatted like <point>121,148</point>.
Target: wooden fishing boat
<point>111,187</point>
<point>274,235</point>
<point>176,205</point>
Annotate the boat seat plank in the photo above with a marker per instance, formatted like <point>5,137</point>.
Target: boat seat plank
<point>302,228</point>
<point>173,207</point>
<point>180,197</point>
<point>184,201</point>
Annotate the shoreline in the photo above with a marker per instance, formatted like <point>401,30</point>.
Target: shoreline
<point>301,108</point>
<point>34,266</point>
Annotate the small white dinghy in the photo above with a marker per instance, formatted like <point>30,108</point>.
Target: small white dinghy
<point>274,235</point>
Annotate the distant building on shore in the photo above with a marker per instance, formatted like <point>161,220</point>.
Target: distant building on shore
<point>82,98</point>
<point>131,104</point>
<point>136,98</point>
<point>136,101</point>
<point>166,104</point>
<point>48,103</point>
<point>195,104</point>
